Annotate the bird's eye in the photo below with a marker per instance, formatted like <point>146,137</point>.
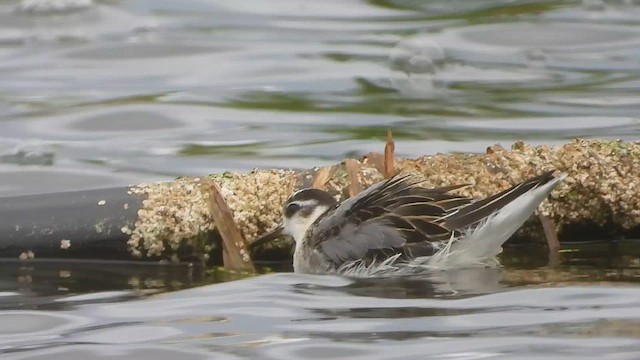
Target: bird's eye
<point>291,209</point>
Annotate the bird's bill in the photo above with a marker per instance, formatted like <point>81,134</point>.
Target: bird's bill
<point>268,236</point>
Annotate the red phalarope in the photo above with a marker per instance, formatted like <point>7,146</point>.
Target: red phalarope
<point>397,225</point>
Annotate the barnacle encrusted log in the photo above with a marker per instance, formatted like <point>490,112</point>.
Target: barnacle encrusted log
<point>600,194</point>
<point>177,213</point>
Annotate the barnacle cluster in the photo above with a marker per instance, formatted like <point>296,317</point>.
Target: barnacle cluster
<point>172,213</point>
<point>256,198</point>
<point>177,213</point>
<point>601,186</point>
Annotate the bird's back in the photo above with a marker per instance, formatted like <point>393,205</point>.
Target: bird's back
<point>394,217</point>
<point>399,218</point>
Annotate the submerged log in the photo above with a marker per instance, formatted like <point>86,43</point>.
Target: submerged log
<point>173,220</point>
<point>79,224</point>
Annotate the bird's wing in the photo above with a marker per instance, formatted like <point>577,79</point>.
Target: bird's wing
<point>392,216</point>
<point>478,210</point>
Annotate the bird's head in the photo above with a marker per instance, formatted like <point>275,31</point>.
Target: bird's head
<point>299,212</point>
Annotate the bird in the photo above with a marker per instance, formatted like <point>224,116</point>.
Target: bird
<point>397,226</point>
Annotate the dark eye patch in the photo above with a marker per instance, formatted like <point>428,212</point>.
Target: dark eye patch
<point>291,209</point>
<point>306,211</point>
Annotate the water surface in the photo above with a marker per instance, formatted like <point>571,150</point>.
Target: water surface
<point>97,93</point>
<point>584,305</point>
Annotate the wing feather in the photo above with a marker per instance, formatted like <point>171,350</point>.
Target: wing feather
<point>398,216</point>
<point>479,210</point>
<point>394,216</point>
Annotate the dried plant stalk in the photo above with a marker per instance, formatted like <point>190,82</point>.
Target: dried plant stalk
<point>353,167</point>
<point>322,177</point>
<point>389,156</point>
<point>234,250</point>
<point>550,233</point>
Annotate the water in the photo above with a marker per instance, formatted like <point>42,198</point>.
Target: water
<point>515,313</point>
<point>585,305</point>
<point>97,93</point>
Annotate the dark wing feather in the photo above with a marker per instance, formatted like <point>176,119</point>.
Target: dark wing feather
<point>393,216</point>
<point>429,228</point>
<point>479,210</point>
<point>422,208</point>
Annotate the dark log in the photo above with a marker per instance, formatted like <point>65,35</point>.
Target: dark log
<point>80,224</point>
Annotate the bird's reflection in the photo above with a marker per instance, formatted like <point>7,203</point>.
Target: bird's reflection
<point>433,284</point>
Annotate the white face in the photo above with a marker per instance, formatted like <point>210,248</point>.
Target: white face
<point>302,214</point>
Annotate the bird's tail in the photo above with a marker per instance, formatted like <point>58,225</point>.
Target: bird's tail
<point>481,241</point>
